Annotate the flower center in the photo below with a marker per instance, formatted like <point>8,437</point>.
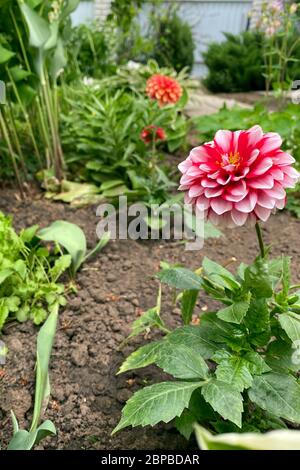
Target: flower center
<point>231,159</point>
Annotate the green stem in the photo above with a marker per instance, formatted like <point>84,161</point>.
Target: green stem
<point>260,239</point>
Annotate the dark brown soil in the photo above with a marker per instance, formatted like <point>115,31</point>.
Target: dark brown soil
<point>113,289</point>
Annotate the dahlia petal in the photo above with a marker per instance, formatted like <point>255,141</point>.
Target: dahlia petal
<point>223,140</point>
<point>195,190</point>
<point>194,171</point>
<point>253,156</point>
<point>213,192</point>
<point>260,167</point>
<point>224,179</point>
<point>283,159</point>
<point>239,218</point>
<point>202,202</point>
<point>288,182</point>
<point>214,175</point>
<point>185,165</point>
<point>262,213</point>
<point>280,203</point>
<point>265,200</point>
<point>241,175</point>
<point>255,134</point>
<point>207,183</point>
<point>248,203</point>
<point>220,206</point>
<point>291,172</point>
<point>261,182</point>
<point>238,189</point>
<point>199,155</point>
<point>270,142</point>
<point>277,191</point>
<point>276,173</point>
<point>224,219</point>
<point>183,187</point>
<point>186,179</point>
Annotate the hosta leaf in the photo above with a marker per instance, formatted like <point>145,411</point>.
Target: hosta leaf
<point>290,322</point>
<point>235,312</point>
<point>278,394</point>
<point>225,399</point>
<point>235,372</point>
<point>188,303</point>
<point>39,31</point>
<point>181,278</point>
<point>160,402</point>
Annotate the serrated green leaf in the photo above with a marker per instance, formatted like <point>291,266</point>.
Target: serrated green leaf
<point>258,280</point>
<point>235,312</point>
<point>278,394</point>
<point>160,402</point>
<point>181,362</point>
<point>142,357</point>
<point>224,399</point>
<point>195,338</point>
<point>218,274</point>
<point>290,323</point>
<point>180,278</point>
<point>235,372</point>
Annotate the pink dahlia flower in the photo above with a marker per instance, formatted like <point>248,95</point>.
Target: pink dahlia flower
<point>241,176</point>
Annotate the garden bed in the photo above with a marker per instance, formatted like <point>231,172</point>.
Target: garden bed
<point>113,289</point>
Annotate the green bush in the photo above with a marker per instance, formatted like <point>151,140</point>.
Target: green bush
<point>235,65</point>
<point>173,41</point>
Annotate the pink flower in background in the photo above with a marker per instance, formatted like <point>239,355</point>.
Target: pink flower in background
<point>241,176</point>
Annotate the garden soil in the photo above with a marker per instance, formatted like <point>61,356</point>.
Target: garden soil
<point>114,288</point>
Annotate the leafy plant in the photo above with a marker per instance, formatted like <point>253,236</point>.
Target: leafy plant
<point>23,439</point>
<point>273,440</point>
<point>173,40</point>
<point>29,274</point>
<point>72,238</point>
<point>237,369</point>
<point>106,131</point>
<point>236,64</point>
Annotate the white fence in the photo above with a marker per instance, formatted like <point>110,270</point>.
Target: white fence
<point>208,19</point>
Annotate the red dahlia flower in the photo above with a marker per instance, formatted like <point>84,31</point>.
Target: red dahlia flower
<point>164,89</point>
<point>240,176</point>
<point>152,132</point>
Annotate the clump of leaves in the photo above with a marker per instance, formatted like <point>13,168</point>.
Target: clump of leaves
<point>237,369</point>
<point>29,275</point>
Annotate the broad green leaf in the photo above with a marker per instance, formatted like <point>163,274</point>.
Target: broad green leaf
<point>142,357</point>
<point>181,362</point>
<point>188,302</point>
<point>225,399</point>
<point>59,60</point>
<point>185,424</point>
<point>147,320</point>
<point>18,73</point>
<point>210,231</point>
<point>273,440</point>
<point>290,322</point>
<point>39,31</point>
<point>25,440</point>
<point>195,338</point>
<point>219,331</point>
<point>258,280</point>
<point>218,274</point>
<point>278,394</point>
<point>29,233</point>
<point>160,402</point>
<point>282,357</point>
<point>235,312</point>
<point>257,320</point>
<point>181,278</point>
<point>4,274</point>
<point>5,55</point>
<point>69,236</point>
<point>235,372</point>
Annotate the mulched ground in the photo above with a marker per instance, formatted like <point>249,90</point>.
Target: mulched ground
<point>113,289</point>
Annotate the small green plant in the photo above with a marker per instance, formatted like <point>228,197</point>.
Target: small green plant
<point>237,369</point>
<point>23,439</point>
<point>72,238</point>
<point>29,275</point>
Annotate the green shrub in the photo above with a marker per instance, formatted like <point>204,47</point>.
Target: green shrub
<point>173,41</point>
<point>235,65</point>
